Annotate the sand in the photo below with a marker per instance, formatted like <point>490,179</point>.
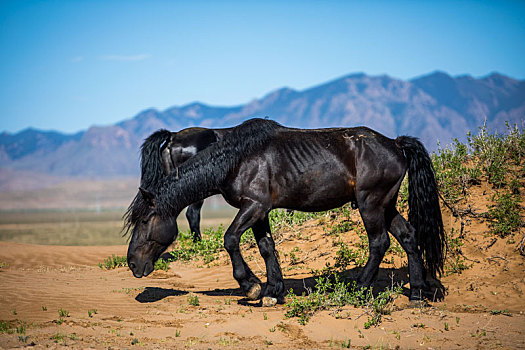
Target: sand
<point>484,307</point>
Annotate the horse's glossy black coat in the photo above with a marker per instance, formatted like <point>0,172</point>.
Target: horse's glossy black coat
<point>164,151</point>
<point>261,165</point>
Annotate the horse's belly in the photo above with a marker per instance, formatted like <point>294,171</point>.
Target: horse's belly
<point>314,192</point>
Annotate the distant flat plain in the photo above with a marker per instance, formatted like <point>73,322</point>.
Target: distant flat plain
<point>83,212</point>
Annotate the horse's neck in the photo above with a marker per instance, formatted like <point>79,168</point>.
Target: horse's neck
<point>202,175</point>
<point>177,194</point>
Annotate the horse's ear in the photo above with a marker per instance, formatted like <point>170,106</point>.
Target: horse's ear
<point>148,197</point>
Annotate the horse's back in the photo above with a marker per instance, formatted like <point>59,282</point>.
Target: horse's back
<point>328,167</point>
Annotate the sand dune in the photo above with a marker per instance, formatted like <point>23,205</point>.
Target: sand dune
<point>154,312</point>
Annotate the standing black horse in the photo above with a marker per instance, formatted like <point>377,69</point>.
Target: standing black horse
<point>261,165</point>
<point>164,151</point>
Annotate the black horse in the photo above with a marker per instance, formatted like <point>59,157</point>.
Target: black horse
<point>164,151</point>
<point>261,165</point>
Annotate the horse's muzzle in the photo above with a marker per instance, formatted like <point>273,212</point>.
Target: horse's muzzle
<point>140,270</point>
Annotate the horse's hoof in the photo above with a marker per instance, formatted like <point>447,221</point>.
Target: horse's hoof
<point>269,301</point>
<point>417,304</point>
<point>255,292</point>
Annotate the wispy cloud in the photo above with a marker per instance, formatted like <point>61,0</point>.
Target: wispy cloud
<point>124,58</point>
<point>77,59</point>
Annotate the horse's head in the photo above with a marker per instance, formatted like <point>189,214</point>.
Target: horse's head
<point>152,234</point>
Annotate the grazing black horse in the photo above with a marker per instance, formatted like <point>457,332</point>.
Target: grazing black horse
<point>261,165</point>
<point>164,151</point>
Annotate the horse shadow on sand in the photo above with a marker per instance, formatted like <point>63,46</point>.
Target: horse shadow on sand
<point>386,278</point>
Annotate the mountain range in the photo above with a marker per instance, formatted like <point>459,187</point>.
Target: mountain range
<point>436,108</point>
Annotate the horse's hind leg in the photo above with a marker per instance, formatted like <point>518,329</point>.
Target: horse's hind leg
<point>274,276</point>
<point>378,241</point>
<point>248,215</point>
<point>193,214</point>
<point>405,234</point>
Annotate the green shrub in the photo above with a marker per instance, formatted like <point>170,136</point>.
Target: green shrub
<point>345,255</point>
<point>505,214</point>
<point>497,152</point>
<point>208,248</point>
<point>452,174</point>
<point>113,262</point>
<point>4,327</point>
<point>280,218</point>
<point>335,292</point>
<point>455,261</point>
<point>493,155</point>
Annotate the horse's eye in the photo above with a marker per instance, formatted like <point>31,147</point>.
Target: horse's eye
<point>147,218</point>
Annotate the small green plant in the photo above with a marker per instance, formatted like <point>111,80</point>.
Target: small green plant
<point>177,333</point>
<point>4,327</point>
<point>44,308</point>
<point>193,300</point>
<point>113,262</point>
<point>162,264</point>
<point>92,312</point>
<point>397,335</point>
<point>57,337</point>
<point>63,313</point>
<point>23,338</point>
<point>294,259</point>
<point>505,312</point>
<point>21,329</point>
<point>446,326</point>
<point>347,344</point>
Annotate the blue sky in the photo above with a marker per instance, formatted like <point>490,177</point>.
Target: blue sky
<point>67,65</point>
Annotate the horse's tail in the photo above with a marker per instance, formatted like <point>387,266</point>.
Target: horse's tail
<point>152,170</point>
<point>424,212</point>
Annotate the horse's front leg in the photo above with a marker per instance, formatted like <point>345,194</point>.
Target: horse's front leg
<point>193,214</point>
<point>249,213</point>
<point>274,276</point>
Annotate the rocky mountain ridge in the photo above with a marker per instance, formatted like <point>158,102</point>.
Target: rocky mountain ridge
<point>434,107</point>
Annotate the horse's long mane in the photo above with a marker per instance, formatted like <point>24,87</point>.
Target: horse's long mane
<point>201,175</point>
<point>152,171</point>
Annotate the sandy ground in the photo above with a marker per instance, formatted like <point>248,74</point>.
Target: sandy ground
<point>484,307</point>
